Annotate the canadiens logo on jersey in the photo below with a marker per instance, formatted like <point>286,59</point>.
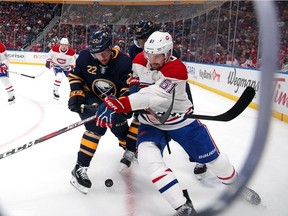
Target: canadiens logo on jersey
<point>103,87</point>
<point>61,61</point>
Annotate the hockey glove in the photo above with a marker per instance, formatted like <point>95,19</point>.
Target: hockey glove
<point>48,63</point>
<point>104,116</point>
<point>69,69</point>
<point>77,98</point>
<point>3,68</point>
<point>134,85</point>
<point>120,105</point>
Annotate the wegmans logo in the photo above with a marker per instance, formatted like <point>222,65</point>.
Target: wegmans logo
<point>237,81</point>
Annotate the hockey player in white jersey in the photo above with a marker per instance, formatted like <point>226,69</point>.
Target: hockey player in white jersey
<point>62,59</point>
<point>141,33</point>
<point>191,134</point>
<point>4,74</point>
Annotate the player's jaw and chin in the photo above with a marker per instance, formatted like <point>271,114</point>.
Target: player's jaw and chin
<point>156,61</point>
<point>104,56</point>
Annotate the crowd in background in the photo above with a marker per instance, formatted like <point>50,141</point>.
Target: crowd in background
<point>223,33</point>
<point>22,22</point>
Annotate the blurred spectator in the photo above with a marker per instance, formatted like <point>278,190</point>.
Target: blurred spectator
<point>231,60</point>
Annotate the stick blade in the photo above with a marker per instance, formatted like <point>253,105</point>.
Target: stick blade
<point>242,103</point>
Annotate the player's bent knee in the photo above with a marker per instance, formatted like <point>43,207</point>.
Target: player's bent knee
<point>149,157</point>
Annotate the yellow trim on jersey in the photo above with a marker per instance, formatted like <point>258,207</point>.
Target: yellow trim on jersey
<point>115,53</point>
<point>74,76</point>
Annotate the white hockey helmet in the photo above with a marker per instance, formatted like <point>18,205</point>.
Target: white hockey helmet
<point>64,41</point>
<point>159,43</point>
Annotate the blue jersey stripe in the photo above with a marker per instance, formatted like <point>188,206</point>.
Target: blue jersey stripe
<point>169,185</point>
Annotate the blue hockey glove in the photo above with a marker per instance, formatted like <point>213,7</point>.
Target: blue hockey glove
<point>104,116</point>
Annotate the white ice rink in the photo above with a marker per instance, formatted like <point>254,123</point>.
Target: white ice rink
<point>35,182</point>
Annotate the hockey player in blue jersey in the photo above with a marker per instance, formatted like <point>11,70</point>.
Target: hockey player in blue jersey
<point>142,31</point>
<point>100,71</point>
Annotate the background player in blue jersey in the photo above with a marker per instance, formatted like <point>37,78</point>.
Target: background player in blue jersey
<point>100,71</point>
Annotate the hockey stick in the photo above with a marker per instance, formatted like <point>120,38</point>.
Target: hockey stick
<point>87,106</point>
<point>26,75</point>
<point>242,103</point>
<point>163,117</point>
<point>44,138</point>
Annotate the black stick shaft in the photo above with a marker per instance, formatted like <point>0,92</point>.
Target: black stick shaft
<point>46,137</point>
<point>242,103</point>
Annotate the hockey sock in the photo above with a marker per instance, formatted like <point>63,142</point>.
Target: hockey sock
<point>88,146</point>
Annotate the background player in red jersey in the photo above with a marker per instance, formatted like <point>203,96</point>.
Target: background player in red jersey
<point>62,59</point>
<point>4,74</point>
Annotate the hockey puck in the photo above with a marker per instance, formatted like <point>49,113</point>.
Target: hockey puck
<point>109,183</point>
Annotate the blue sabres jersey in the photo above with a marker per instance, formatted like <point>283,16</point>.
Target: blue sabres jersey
<point>102,80</point>
<point>134,50</point>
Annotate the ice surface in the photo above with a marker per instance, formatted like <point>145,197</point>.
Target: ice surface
<point>35,182</point>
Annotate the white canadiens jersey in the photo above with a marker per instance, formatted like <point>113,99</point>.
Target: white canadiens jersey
<point>3,55</point>
<point>64,60</point>
<point>158,93</point>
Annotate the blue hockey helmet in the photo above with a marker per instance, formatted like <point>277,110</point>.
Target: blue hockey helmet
<point>99,41</point>
<point>144,29</point>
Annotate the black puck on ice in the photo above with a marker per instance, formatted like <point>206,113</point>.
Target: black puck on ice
<point>108,182</point>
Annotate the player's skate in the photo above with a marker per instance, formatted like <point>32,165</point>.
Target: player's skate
<point>11,100</point>
<point>80,179</point>
<point>56,94</point>
<point>187,209</point>
<point>200,171</point>
<point>251,196</point>
<point>126,160</point>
